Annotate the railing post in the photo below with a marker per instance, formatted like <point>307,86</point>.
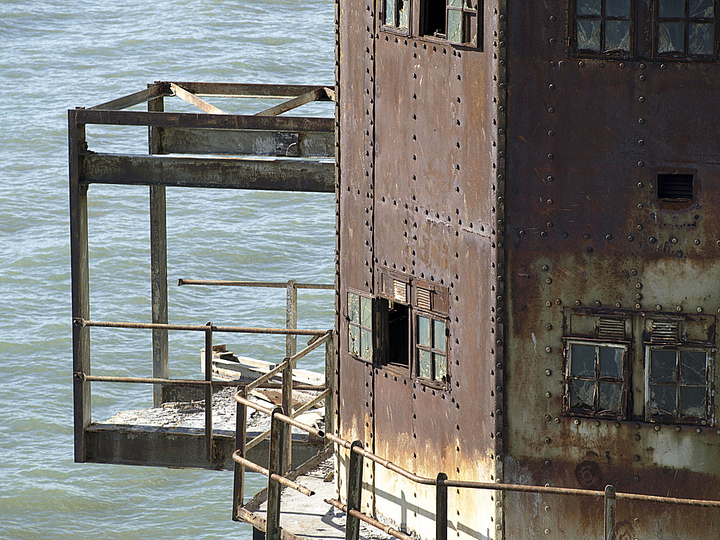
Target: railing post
<point>158,265</point>
<point>610,502</point>
<point>208,394</point>
<point>275,465</point>
<point>290,350</point>
<point>80,283</point>
<point>441,507</point>
<point>239,471</point>
<point>354,492</point>
<point>330,384</point>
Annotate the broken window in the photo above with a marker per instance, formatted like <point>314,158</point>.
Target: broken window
<point>685,28</point>
<point>677,385</point>
<point>596,379</point>
<point>458,21</point>
<point>396,14</point>
<point>360,335</point>
<point>675,187</point>
<point>431,348</point>
<point>603,26</point>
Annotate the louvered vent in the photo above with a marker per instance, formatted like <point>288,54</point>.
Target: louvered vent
<point>400,291</point>
<point>675,187</point>
<point>423,299</point>
<point>664,332</point>
<point>611,329</point>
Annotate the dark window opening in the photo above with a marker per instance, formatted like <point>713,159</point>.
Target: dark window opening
<point>397,13</point>
<point>433,18</point>
<point>675,187</point>
<point>685,27</point>
<point>395,334</point>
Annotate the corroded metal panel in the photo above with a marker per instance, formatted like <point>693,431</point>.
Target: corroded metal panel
<point>588,227</point>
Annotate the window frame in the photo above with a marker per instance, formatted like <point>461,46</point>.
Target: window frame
<point>684,56</point>
<point>676,419</point>
<point>395,27</point>
<point>360,326</point>
<point>596,412</point>
<point>418,348</point>
<point>590,53</point>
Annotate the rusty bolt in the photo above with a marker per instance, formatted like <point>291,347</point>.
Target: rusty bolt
<point>549,201</point>
<point>673,240</point>
<point>641,99</point>
<point>548,303</point>
<point>548,372</point>
<point>657,428</point>
<point>642,77</point>
<point>658,307</point>
<point>547,531</point>
<point>548,440</point>
<point>678,308</point>
<point>699,309</point>
<point>576,421</point>
<point>638,285</point>
<point>633,272</point>
<point>639,227</point>
<point>696,241</point>
<point>558,301</point>
<point>548,349</point>
<point>578,302</point>
<point>641,120</point>
<point>548,395</point>
<point>548,281</point>
<point>550,178</point>
<point>618,304</point>
<point>545,267</point>
<point>638,296</point>
<point>548,327</point>
<point>638,306</point>
<point>598,303</point>
<point>548,417</point>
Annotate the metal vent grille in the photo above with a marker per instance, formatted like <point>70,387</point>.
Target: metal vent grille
<point>675,187</point>
<point>664,332</point>
<point>400,291</point>
<point>611,329</point>
<point>423,299</point>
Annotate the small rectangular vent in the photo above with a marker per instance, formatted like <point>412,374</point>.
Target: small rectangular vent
<point>675,187</point>
<point>400,291</point>
<point>423,299</point>
<point>664,332</point>
<point>611,329</point>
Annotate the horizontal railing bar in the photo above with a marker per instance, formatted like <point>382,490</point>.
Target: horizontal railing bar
<point>549,490</point>
<point>310,404</point>
<point>191,382</point>
<point>267,284</point>
<point>243,90</point>
<point>155,91</point>
<point>200,328</point>
<point>198,120</point>
<point>304,99</point>
<point>367,519</point>
<point>281,479</point>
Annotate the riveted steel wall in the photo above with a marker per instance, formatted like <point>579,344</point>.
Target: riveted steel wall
<point>587,138</point>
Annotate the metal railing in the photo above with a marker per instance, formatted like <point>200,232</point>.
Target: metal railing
<point>354,484</point>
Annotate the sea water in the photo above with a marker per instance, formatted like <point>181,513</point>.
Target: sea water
<point>56,55</point>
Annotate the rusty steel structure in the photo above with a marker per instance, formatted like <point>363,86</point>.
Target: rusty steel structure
<point>526,259</point>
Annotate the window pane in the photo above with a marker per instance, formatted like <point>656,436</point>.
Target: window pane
<point>610,396</point>
<point>701,38</point>
<point>693,366</point>
<point>663,366</point>
<point>455,3</point>
<point>390,12</point>
<point>582,394</point>
<point>588,7</point>
<point>354,307</point>
<point>611,362</point>
<point>663,399</point>
<point>672,8</point>
<point>588,34</point>
<point>454,26</point>
<point>366,343</point>
<point>439,335</point>
<point>403,13</point>
<point>671,37</point>
<point>424,359</point>
<point>692,402</point>
<point>582,360</point>
<point>617,35</point>
<point>365,312</point>
<point>617,8</point>
<point>702,8</point>
<point>440,367</point>
<point>354,340</point>
<point>424,337</point>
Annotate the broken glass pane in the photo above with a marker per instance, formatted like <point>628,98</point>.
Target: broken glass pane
<point>700,38</point>
<point>611,362</point>
<point>582,360</point>
<point>692,402</point>
<point>454,26</point>
<point>617,8</point>
<point>354,340</point>
<point>617,35</point>
<point>403,13</point>
<point>702,8</point>
<point>663,399</point>
<point>693,366</point>
<point>424,336</point>
<point>440,367</point>
<point>663,366</point>
<point>610,394</point>
<point>354,307</point>
<point>671,37</point>
<point>425,359</point>
<point>672,8</point>
<point>588,34</point>
<point>365,312</point>
<point>390,12</point>
<point>588,7</point>
<point>455,3</point>
<point>366,343</point>
<point>582,394</point>
<point>439,335</point>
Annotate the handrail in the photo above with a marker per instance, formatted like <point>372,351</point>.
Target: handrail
<point>266,284</point>
<point>199,328</point>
